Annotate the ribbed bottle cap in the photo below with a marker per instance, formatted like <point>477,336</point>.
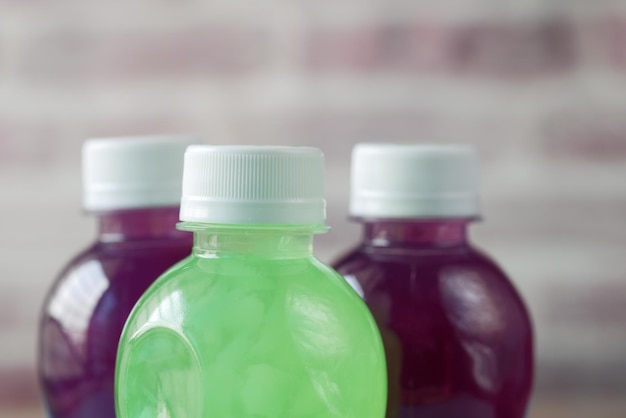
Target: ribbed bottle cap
<point>414,181</point>
<point>133,172</point>
<point>253,185</point>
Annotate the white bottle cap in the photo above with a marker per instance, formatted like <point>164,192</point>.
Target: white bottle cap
<point>133,172</point>
<point>253,185</point>
<point>414,181</point>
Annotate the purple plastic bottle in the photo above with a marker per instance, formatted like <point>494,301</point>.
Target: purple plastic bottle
<point>133,185</point>
<point>457,335</point>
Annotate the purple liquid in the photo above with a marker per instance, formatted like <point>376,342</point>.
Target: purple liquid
<point>457,335</point>
<point>86,309</point>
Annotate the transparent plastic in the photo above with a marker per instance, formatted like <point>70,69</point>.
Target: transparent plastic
<point>251,326</point>
<point>457,335</point>
<point>85,310</point>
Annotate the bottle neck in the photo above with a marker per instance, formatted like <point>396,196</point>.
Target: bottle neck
<point>253,242</point>
<point>416,232</point>
<point>139,224</point>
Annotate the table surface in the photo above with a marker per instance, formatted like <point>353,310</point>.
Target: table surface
<point>606,407</point>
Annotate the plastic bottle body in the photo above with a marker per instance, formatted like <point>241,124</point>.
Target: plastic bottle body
<point>252,325</point>
<point>85,310</point>
<point>457,335</point>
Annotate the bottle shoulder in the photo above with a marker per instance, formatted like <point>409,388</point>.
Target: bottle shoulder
<point>195,272</point>
<point>424,275</point>
<point>112,261</point>
<point>365,257</point>
<point>196,286</point>
<point>102,284</point>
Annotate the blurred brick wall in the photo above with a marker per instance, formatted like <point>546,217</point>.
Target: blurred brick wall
<point>538,86</point>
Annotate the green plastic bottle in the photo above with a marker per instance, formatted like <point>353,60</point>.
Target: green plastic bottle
<point>251,325</point>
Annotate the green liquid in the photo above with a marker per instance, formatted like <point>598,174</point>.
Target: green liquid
<point>239,334</point>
